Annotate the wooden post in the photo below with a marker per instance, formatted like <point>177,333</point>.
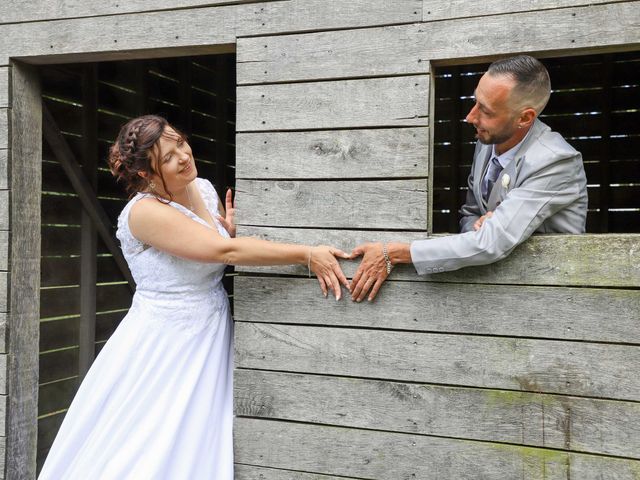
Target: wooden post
<point>24,304</point>
<point>89,237</point>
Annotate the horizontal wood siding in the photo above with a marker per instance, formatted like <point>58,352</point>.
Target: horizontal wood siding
<point>335,154</point>
<point>437,10</point>
<point>514,370</point>
<point>306,15</point>
<point>524,311</point>
<point>191,31</point>
<point>349,53</point>
<point>251,472</point>
<point>26,11</point>
<point>540,420</point>
<point>552,30</point>
<point>384,102</point>
<point>542,260</point>
<point>378,454</point>
<point>585,369</point>
<point>409,48</point>
<point>210,26</point>
<point>399,204</point>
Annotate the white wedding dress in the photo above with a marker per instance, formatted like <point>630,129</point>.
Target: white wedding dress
<point>157,402</point>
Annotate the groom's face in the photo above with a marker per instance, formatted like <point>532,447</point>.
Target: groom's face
<point>493,118</point>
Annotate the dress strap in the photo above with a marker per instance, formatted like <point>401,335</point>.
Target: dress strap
<point>129,244</point>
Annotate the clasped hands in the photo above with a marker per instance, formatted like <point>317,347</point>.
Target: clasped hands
<point>372,271</point>
<point>369,277</point>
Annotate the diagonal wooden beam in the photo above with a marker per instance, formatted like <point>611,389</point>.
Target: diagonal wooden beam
<point>90,203</point>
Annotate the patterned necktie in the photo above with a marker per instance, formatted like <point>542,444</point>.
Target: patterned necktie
<point>493,172</point>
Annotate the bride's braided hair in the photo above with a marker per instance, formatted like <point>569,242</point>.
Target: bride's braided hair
<point>131,152</point>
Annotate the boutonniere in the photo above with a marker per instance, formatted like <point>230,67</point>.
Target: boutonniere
<point>505,180</point>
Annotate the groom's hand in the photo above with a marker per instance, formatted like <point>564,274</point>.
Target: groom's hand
<point>371,273</point>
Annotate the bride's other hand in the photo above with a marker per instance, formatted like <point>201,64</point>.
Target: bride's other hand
<point>228,221</point>
<point>324,264</point>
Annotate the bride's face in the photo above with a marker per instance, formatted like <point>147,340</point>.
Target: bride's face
<point>173,158</point>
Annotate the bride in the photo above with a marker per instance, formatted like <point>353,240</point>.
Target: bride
<point>157,402</point>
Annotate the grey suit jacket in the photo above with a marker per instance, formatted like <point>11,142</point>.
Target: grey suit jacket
<point>544,189</point>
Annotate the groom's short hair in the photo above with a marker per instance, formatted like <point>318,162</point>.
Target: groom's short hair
<point>532,84</point>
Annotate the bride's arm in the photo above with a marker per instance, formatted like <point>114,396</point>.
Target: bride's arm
<point>167,229</point>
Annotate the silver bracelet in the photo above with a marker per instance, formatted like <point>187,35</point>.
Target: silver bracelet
<point>387,260</point>
<point>309,262</point>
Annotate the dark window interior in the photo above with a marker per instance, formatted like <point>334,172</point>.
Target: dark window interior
<point>89,103</point>
<point>595,105</point>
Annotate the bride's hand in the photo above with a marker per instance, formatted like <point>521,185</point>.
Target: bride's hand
<point>228,221</point>
<point>324,264</point>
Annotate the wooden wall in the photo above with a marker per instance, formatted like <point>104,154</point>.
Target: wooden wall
<point>516,370</point>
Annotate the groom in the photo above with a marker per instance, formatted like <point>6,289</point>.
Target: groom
<point>524,179</point>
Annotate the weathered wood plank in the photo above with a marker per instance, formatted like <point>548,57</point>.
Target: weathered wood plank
<point>4,276</point>
<point>346,53</point>
<point>408,48</point>
<point>3,413</point>
<point>250,472</point>
<point>198,30</point>
<point>437,10</point>
<point>4,84</point>
<point>4,168</point>
<point>3,335</point>
<point>374,454</point>
<point>541,260</point>
<point>378,153</point>
<point>29,11</point>
<point>4,128</point>
<point>23,320</point>
<point>551,30</point>
<point>398,204</point>
<point>379,102</point>
<point>3,380</point>
<point>3,450</point>
<point>166,33</point>
<point>539,420</point>
<point>4,209</point>
<point>201,28</point>
<point>542,312</point>
<point>265,16</point>
<point>546,366</point>
<point>4,250</point>
<point>306,15</point>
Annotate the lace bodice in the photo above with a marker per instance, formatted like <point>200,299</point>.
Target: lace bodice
<point>169,286</point>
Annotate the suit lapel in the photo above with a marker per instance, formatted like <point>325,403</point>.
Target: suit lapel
<point>510,172</point>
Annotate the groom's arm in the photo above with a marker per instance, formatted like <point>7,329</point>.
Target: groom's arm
<point>372,271</point>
